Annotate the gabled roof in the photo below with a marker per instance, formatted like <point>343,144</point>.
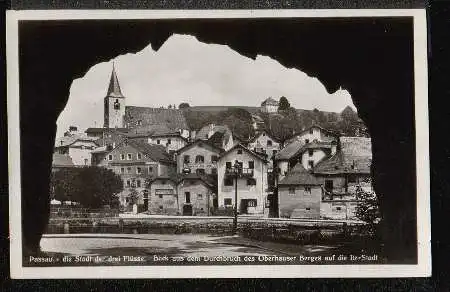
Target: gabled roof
<point>177,178</point>
<point>245,149</point>
<point>290,150</point>
<point>317,127</point>
<point>200,143</point>
<point>299,176</point>
<point>61,160</point>
<point>69,140</point>
<point>259,134</point>
<point>269,101</point>
<point>173,119</point>
<point>154,152</point>
<point>111,136</point>
<point>354,156</point>
<point>114,87</point>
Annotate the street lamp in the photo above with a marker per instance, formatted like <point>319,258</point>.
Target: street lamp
<point>236,174</point>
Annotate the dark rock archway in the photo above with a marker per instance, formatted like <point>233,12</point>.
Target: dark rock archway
<point>370,57</point>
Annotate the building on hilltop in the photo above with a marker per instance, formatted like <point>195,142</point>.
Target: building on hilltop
<point>269,105</point>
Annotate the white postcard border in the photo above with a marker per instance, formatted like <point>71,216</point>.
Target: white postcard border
<point>422,269</point>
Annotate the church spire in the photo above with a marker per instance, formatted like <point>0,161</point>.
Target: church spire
<point>114,87</point>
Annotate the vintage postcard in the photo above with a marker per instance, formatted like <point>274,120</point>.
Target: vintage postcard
<point>218,144</point>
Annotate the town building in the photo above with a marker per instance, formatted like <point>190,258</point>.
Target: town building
<point>264,144</point>
<point>77,146</point>
<point>252,182</point>
<point>220,136</point>
<point>136,162</point>
<point>299,194</point>
<point>182,194</point>
<point>342,174</point>
<point>199,157</point>
<point>314,132</point>
<point>269,105</point>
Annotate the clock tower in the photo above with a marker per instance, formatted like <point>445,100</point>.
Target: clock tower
<point>114,110</point>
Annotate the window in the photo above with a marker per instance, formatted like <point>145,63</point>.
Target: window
<point>128,183</point>
<point>338,208</point>
<point>129,156</point>
<point>158,141</point>
<point>239,151</point>
<point>138,170</point>
<point>227,202</point>
<point>228,165</point>
<point>116,104</point>
<point>85,161</point>
<point>200,171</point>
<point>269,142</point>
<point>291,190</point>
<point>199,196</point>
<point>150,169</point>
<point>110,157</point>
<point>138,183</point>
<point>128,169</point>
<point>251,182</point>
<point>311,131</point>
<point>251,164</point>
<point>139,156</point>
<point>187,196</point>
<point>160,196</point>
<point>186,159</point>
<point>352,179</point>
<point>310,152</point>
<point>122,156</point>
<point>251,203</point>
<point>139,123</point>
<point>228,181</point>
<point>199,159</point>
<point>329,185</point>
<point>169,141</point>
<point>308,190</point>
<point>306,141</point>
<point>214,158</point>
<point>122,170</point>
<point>307,209</point>
<point>311,163</point>
<point>214,170</point>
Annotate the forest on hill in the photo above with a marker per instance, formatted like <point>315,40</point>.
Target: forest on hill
<point>281,125</point>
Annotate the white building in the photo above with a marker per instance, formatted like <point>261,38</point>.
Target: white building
<point>77,146</point>
<point>252,184</point>
<point>270,105</point>
<point>265,144</point>
<point>199,157</point>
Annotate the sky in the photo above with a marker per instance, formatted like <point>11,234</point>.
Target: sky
<point>187,70</point>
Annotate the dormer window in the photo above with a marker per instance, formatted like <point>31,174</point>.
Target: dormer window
<point>116,105</point>
<point>269,142</point>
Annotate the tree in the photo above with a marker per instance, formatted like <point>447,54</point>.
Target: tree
<point>367,209</point>
<point>184,105</point>
<point>283,104</point>
<point>133,197</point>
<point>92,187</point>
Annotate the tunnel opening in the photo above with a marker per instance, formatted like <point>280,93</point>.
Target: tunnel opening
<point>339,52</point>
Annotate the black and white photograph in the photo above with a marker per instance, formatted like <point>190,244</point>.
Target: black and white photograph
<point>168,144</point>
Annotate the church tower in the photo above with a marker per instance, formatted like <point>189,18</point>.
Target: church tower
<point>114,104</point>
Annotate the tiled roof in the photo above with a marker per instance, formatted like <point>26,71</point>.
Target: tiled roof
<point>290,150</point>
<point>61,160</point>
<point>299,176</point>
<point>111,137</point>
<point>154,152</point>
<point>245,149</point>
<point>101,130</point>
<point>173,119</point>
<point>69,140</point>
<point>179,177</point>
<point>269,101</point>
<point>354,156</point>
<point>200,142</point>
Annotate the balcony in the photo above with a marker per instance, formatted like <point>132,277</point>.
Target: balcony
<point>242,172</point>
